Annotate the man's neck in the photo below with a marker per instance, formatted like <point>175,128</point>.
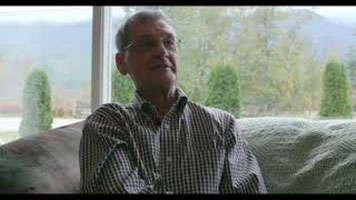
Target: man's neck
<point>161,99</point>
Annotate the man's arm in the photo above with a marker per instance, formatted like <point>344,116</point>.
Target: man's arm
<point>241,173</point>
<point>107,164</point>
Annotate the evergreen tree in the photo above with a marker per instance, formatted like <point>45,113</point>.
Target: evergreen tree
<point>224,89</point>
<point>36,103</point>
<point>351,65</point>
<point>351,71</point>
<point>122,88</point>
<point>335,101</point>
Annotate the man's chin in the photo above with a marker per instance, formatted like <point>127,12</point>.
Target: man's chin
<point>166,85</point>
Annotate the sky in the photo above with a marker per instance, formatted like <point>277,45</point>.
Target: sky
<point>343,14</point>
<point>25,14</point>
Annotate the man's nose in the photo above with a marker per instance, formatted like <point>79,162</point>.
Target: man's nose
<point>161,49</point>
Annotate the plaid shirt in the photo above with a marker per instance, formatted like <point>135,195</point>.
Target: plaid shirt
<point>194,149</point>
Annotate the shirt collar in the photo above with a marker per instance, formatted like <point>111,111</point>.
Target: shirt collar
<point>141,103</point>
<point>181,99</point>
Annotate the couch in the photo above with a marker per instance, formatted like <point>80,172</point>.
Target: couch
<point>295,155</point>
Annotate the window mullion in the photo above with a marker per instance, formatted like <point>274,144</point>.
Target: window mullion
<point>101,58</point>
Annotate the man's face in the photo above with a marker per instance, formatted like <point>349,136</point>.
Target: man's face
<point>152,58</point>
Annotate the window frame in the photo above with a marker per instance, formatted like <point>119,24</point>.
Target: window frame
<point>101,57</point>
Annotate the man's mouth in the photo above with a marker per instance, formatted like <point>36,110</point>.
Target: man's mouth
<point>160,66</point>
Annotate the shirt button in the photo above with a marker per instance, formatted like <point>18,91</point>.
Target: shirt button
<point>166,126</point>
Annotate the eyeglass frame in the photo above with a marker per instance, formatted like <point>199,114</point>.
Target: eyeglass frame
<point>176,40</point>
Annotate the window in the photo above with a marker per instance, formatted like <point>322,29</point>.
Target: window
<point>47,46</point>
<point>279,54</point>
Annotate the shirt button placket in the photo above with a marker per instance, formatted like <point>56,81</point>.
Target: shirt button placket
<point>166,127</point>
<point>168,159</point>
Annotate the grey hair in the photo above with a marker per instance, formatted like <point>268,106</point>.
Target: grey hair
<point>121,38</point>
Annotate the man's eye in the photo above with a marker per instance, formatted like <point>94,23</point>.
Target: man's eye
<point>169,43</point>
<point>145,44</point>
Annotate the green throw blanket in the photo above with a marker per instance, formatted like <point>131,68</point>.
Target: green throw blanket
<point>12,172</point>
<point>304,156</point>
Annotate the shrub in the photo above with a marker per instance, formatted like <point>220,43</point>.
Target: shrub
<point>335,100</point>
<point>224,90</point>
<point>122,88</point>
<point>36,104</point>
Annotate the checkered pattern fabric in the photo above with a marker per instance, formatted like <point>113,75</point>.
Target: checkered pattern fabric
<point>193,149</point>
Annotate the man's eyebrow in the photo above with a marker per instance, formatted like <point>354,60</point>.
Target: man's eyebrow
<point>148,36</point>
<point>170,35</point>
<point>145,36</point>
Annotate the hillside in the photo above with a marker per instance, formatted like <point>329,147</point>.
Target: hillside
<point>64,51</point>
<point>327,35</point>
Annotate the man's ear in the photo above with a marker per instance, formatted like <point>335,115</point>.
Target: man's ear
<point>120,63</point>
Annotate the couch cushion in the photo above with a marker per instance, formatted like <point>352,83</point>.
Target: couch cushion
<point>295,155</point>
<point>304,156</point>
<point>46,163</point>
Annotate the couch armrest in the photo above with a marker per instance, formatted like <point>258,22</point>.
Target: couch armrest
<point>48,162</point>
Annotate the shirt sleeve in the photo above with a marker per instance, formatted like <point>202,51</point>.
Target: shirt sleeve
<point>107,163</point>
<point>241,172</point>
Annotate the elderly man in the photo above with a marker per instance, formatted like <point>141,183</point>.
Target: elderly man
<point>162,143</point>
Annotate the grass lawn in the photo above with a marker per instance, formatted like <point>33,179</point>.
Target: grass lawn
<point>8,136</point>
<point>10,115</point>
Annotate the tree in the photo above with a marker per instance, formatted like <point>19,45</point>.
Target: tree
<point>36,103</point>
<point>351,65</point>
<point>1,67</point>
<point>122,88</point>
<point>62,100</point>
<point>335,100</point>
<point>204,45</point>
<point>224,90</point>
<point>277,67</point>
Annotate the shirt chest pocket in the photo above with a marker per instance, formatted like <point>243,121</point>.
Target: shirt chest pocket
<point>207,155</point>
<point>206,163</point>
<point>206,142</point>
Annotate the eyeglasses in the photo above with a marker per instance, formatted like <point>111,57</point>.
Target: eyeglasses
<point>147,43</point>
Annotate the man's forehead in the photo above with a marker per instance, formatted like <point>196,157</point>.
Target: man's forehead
<point>151,28</point>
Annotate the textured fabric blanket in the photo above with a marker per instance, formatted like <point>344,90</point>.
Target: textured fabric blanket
<point>295,156</point>
<point>46,163</point>
<point>304,156</point>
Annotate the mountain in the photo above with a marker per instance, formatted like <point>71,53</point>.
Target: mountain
<point>63,50</point>
<point>327,35</point>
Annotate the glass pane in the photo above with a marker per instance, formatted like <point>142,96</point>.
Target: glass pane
<point>279,56</point>
<point>122,88</point>
<point>45,68</point>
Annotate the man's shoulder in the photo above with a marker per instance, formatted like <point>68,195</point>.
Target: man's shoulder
<point>113,107</point>
<point>213,119</point>
<point>111,112</point>
<point>213,112</point>
<point>109,121</point>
